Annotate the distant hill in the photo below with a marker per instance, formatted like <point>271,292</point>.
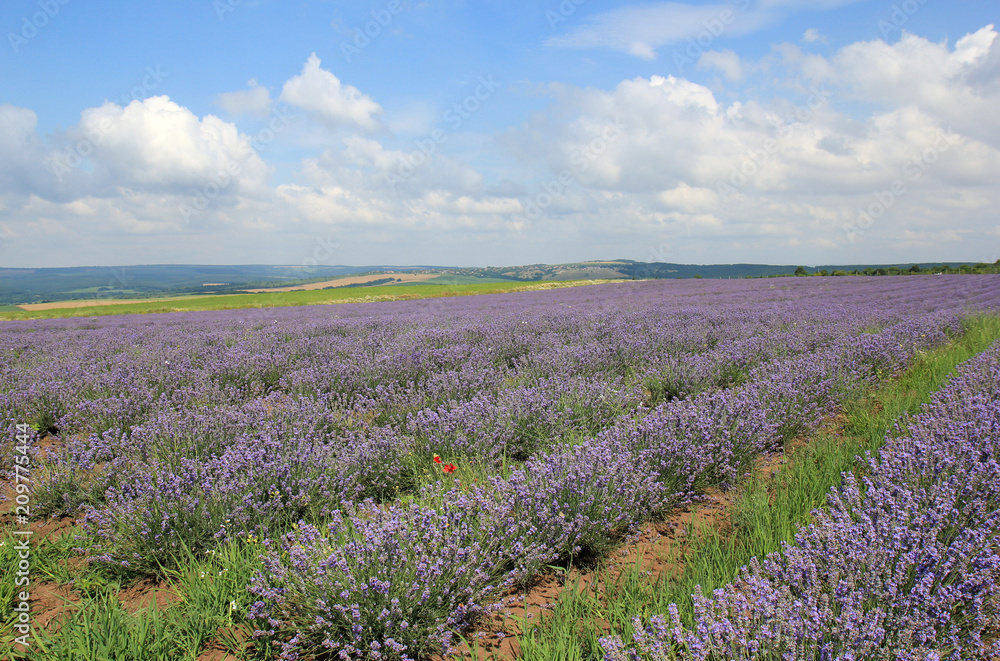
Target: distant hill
<point>629,269</point>
<point>20,286</point>
<point>147,281</point>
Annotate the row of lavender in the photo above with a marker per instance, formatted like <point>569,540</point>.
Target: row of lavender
<point>386,361</point>
<point>359,581</point>
<point>604,403</point>
<point>470,378</point>
<point>398,581</point>
<point>904,565</point>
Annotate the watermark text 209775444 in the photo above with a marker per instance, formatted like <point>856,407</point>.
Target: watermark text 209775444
<point>20,573</point>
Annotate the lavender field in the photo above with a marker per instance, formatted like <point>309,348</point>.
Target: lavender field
<point>904,565</point>
<point>395,469</point>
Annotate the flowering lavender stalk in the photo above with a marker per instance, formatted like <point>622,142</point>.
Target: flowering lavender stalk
<point>903,565</point>
<point>392,583</point>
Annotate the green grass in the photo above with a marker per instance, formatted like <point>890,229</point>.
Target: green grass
<point>288,299</point>
<point>212,605</point>
<point>766,512</point>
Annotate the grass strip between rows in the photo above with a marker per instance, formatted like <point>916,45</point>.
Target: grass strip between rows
<point>766,512</point>
<point>205,603</point>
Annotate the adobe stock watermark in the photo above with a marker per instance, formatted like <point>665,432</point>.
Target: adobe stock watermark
<point>69,158</point>
<point>580,162</point>
<point>324,250</point>
<point>700,43</point>
<point>659,255</point>
<point>363,36</point>
<point>754,159</point>
<point>20,572</point>
<point>647,268</point>
<point>900,16</point>
<point>563,12</point>
<point>225,7</point>
<point>885,199</point>
<point>995,259</point>
<point>32,25</point>
<point>216,185</point>
<point>454,117</point>
<point>119,280</point>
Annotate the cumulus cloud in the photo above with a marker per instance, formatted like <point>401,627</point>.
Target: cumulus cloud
<point>122,173</point>
<point>958,85</point>
<point>688,199</point>
<point>904,132</point>
<point>22,153</point>
<point>321,93</point>
<point>158,145</point>
<point>798,171</point>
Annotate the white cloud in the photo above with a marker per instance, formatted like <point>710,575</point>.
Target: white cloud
<point>254,101</point>
<point>812,35</point>
<point>157,145</point>
<point>321,93</point>
<point>726,62</point>
<point>958,86</point>
<point>652,161</point>
<point>641,29</point>
<point>22,153</point>
<point>688,199</point>
<point>125,173</point>
<point>789,170</point>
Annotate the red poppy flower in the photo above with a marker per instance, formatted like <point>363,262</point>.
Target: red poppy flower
<point>437,459</point>
<point>449,468</point>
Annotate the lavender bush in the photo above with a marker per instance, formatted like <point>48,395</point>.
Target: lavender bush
<point>904,565</point>
<point>572,501</point>
<point>393,583</point>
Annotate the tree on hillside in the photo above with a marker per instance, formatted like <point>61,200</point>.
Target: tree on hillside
<point>801,270</point>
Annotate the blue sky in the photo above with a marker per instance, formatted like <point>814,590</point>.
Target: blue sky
<point>475,133</point>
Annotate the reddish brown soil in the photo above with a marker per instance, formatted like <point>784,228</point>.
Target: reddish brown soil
<point>654,549</point>
<point>216,651</point>
<point>51,602</point>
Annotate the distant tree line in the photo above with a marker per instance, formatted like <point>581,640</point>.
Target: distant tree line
<point>980,268</point>
<point>369,283</point>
